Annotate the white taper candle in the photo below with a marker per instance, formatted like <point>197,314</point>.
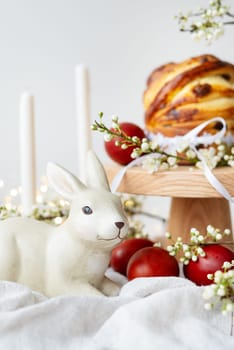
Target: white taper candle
<point>82,89</point>
<point>27,153</point>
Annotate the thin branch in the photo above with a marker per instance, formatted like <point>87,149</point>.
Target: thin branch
<point>230,14</point>
<point>228,23</point>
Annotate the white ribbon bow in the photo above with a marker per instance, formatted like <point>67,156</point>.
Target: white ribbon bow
<point>193,140</point>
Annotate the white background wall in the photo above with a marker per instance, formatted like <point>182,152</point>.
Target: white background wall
<point>121,41</point>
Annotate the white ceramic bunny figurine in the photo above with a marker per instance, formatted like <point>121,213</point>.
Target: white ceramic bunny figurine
<point>73,257</point>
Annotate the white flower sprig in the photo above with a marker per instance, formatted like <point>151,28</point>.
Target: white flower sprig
<point>221,292</point>
<point>7,211</point>
<point>124,141</point>
<point>207,23</point>
<point>218,154</point>
<point>163,160</point>
<point>193,249</point>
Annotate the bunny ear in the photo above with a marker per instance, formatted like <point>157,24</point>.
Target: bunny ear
<point>63,182</point>
<point>96,175</point>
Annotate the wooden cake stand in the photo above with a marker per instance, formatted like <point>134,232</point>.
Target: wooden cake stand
<point>195,203</point>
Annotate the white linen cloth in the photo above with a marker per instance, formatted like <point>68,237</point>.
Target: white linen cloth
<point>150,313</point>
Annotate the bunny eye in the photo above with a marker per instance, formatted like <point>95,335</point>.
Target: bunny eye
<point>87,210</point>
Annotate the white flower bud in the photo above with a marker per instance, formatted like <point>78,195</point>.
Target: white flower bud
<point>168,235</point>
<point>115,125</point>
<point>230,274</point>
<point>208,292</point>
<point>193,230</point>
<point>226,265</point>
<point>172,253</point>
<point>135,139</point>
<point>218,276</point>
<point>171,161</point>
<point>115,119</point>
<point>218,237</point>
<point>230,307</point>
<point>135,153</point>
<point>210,276</point>
<point>200,250</point>
<point>190,154</point>
<point>185,247</point>
<point>221,291</point>
<point>194,239</point>
<point>208,306</point>
<point>210,229</point>
<point>221,148</point>
<point>227,231</point>
<point>108,137</point>
<point>200,238</point>
<point>144,146</point>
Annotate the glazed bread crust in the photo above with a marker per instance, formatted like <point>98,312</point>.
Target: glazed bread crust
<point>180,96</point>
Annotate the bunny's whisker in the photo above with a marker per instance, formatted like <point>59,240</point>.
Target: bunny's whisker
<point>110,239</point>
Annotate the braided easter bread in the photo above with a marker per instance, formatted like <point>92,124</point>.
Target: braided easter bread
<point>180,96</point>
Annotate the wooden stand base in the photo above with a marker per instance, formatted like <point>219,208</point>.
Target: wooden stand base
<point>186,213</point>
<point>195,203</point>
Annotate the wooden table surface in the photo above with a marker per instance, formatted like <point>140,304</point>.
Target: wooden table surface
<point>183,181</point>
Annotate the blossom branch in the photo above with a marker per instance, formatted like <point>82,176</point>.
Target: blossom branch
<point>211,22</point>
<point>218,154</point>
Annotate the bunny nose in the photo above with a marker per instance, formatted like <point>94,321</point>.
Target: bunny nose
<point>119,224</point>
